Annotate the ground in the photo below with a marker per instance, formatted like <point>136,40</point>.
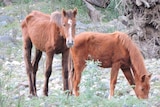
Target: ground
<point>94,89</point>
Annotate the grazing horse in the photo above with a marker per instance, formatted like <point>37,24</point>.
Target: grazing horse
<point>115,50</point>
<point>52,34</point>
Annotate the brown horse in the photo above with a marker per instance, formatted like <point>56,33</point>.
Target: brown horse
<point>52,34</point>
<point>115,50</point>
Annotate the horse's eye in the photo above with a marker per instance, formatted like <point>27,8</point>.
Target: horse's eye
<point>142,89</point>
<point>64,25</point>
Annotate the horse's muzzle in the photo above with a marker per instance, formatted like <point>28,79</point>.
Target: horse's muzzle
<point>69,44</point>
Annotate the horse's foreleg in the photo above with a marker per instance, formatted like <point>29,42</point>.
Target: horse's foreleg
<point>76,81</point>
<point>65,70</point>
<point>70,73</point>
<point>129,76</point>
<point>27,58</point>
<point>49,58</point>
<point>113,78</point>
<point>78,68</point>
<point>35,62</point>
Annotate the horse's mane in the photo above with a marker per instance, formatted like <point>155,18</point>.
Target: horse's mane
<point>135,54</point>
<point>56,18</point>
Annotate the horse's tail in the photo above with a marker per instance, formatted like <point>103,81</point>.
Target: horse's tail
<point>70,71</point>
<point>136,57</point>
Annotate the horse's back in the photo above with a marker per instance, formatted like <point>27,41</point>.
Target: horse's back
<point>104,47</point>
<point>104,38</point>
<point>34,16</point>
<point>39,14</point>
<point>94,38</point>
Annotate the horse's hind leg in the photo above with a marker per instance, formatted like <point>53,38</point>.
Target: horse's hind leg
<point>49,59</point>
<point>65,69</point>
<point>128,75</point>
<point>27,58</point>
<point>35,62</point>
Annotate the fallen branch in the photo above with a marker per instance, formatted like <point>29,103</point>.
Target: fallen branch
<point>92,12</point>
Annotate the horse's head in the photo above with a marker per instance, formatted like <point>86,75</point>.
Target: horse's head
<point>142,86</point>
<point>68,21</point>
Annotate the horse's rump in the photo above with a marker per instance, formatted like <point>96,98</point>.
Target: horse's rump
<point>34,15</point>
<point>38,28</point>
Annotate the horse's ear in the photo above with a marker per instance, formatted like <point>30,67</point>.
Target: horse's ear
<point>75,12</point>
<point>143,78</point>
<point>150,75</point>
<point>63,12</point>
<point>146,76</point>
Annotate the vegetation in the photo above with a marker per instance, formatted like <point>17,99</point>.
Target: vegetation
<point>93,91</point>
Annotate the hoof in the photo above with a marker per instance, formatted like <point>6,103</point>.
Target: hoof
<point>109,97</point>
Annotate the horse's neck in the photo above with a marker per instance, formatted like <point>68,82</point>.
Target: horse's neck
<point>136,60</point>
<point>139,71</point>
<point>59,34</point>
<point>60,44</point>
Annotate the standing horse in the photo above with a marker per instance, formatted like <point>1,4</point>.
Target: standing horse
<point>115,50</point>
<point>52,34</point>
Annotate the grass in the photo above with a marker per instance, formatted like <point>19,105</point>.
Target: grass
<point>93,91</point>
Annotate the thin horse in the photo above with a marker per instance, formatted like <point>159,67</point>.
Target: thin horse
<point>52,34</point>
<point>115,50</point>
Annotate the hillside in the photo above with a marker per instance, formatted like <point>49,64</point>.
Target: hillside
<point>14,90</point>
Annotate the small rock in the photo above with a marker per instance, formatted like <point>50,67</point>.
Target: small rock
<point>16,63</point>
<point>157,104</point>
<point>22,92</point>
<point>155,78</point>
<point>40,92</point>
<point>132,93</point>
<point>24,84</point>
